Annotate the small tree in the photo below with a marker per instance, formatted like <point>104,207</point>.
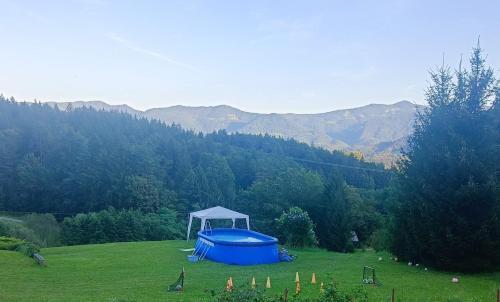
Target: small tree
<point>46,227</point>
<point>333,216</point>
<point>296,229</point>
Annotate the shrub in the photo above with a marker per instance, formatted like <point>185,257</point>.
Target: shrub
<point>124,225</point>
<point>296,229</point>
<point>9,243</point>
<point>331,294</point>
<point>162,226</point>
<point>239,294</point>
<point>359,294</point>
<point>19,230</point>
<point>27,249</point>
<point>18,245</point>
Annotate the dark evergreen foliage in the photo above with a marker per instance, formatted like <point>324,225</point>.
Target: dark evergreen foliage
<point>333,216</point>
<point>125,225</point>
<point>449,216</point>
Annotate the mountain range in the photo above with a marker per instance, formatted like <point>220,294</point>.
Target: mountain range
<point>377,131</point>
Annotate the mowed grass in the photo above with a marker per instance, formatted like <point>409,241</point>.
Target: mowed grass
<point>141,271</point>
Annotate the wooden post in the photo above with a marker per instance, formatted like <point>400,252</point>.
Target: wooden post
<point>393,296</point>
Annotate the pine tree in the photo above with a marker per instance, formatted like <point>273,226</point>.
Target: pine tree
<point>333,217</point>
<point>450,193</point>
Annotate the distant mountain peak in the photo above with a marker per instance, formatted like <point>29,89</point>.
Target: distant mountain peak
<point>405,103</point>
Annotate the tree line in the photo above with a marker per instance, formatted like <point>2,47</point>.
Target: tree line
<point>102,164</point>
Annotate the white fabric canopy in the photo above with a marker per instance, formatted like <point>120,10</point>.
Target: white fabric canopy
<point>216,213</point>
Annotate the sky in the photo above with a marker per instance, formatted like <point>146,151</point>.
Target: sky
<point>259,56</point>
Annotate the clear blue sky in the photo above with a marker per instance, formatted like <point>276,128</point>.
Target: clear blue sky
<point>261,56</point>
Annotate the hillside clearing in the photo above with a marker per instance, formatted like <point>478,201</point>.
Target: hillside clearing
<point>141,271</point>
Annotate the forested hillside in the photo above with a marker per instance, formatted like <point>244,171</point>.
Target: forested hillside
<point>83,160</point>
<point>378,131</point>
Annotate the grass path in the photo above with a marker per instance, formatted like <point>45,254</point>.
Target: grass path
<point>140,271</point>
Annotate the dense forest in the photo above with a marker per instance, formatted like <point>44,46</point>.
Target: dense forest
<point>83,160</point>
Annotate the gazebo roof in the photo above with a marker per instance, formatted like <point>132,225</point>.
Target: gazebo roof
<point>218,212</point>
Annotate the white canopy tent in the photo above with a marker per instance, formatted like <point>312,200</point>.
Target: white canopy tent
<point>216,213</point>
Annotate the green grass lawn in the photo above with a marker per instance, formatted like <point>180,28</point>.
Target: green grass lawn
<point>141,271</point>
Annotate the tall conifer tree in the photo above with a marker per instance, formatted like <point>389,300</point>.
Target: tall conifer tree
<point>449,215</point>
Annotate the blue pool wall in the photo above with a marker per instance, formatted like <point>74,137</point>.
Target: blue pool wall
<point>264,251</point>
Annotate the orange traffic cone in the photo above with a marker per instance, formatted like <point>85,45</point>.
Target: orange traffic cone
<point>297,277</point>
<point>313,279</point>
<point>268,282</point>
<point>297,288</point>
<point>253,282</point>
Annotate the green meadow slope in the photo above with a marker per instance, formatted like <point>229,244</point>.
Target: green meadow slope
<point>141,271</point>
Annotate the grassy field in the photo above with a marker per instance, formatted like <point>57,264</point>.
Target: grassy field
<point>141,271</point>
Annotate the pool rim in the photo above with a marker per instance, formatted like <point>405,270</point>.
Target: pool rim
<point>267,240</point>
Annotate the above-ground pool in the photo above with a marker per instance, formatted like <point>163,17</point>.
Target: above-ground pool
<point>237,246</point>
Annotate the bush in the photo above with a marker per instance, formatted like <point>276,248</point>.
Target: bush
<point>19,230</point>
<point>124,225</point>
<point>296,229</point>
<point>27,249</point>
<point>240,294</point>
<point>18,245</point>
<point>162,225</point>
<point>331,294</point>
<point>9,243</point>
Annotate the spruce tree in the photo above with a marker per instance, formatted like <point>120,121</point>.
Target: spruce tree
<point>333,217</point>
<point>449,214</point>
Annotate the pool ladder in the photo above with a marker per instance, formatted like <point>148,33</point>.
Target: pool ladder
<point>208,228</point>
<point>205,245</point>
